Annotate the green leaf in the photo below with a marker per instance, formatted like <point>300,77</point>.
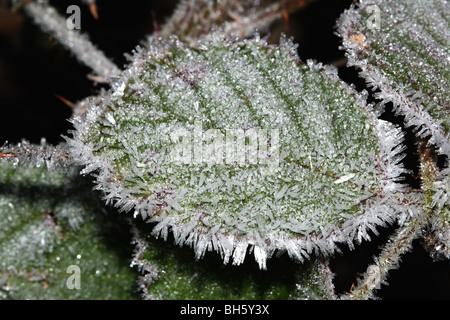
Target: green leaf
<point>54,235</point>
<point>403,49</point>
<point>236,145</point>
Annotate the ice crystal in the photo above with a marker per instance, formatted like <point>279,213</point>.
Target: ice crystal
<point>236,145</point>
<point>406,56</point>
<point>233,146</point>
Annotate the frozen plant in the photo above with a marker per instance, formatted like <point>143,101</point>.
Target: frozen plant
<point>213,140</point>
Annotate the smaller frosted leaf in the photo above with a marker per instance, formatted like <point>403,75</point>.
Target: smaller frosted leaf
<point>48,222</point>
<point>235,145</point>
<point>170,273</point>
<point>403,49</point>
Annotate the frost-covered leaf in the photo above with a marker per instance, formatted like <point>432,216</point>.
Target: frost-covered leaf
<point>403,49</point>
<point>51,232</point>
<point>169,272</point>
<point>236,145</point>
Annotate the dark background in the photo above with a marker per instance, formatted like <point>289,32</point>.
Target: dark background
<point>34,68</point>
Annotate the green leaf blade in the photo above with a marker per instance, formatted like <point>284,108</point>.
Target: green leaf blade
<point>237,144</point>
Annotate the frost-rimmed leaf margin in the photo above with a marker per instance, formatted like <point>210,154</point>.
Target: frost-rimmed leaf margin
<point>411,101</point>
<point>379,211</point>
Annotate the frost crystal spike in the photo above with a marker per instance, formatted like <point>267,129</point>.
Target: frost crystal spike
<point>236,145</point>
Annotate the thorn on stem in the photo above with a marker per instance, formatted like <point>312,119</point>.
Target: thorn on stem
<point>155,23</point>
<point>7,155</point>
<point>286,17</point>
<point>65,101</point>
<point>93,9</point>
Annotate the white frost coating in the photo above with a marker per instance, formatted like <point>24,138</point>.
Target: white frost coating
<point>260,256</point>
<point>287,210</point>
<point>50,20</point>
<point>441,190</point>
<point>389,258</point>
<point>239,253</point>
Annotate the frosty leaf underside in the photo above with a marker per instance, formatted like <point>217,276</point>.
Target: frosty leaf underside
<point>51,224</point>
<point>274,153</point>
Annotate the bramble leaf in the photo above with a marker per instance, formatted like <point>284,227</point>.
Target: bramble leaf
<point>236,144</point>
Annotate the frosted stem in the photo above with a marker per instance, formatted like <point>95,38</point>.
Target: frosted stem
<point>50,20</point>
<point>324,266</point>
<point>149,271</point>
<point>389,259</point>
